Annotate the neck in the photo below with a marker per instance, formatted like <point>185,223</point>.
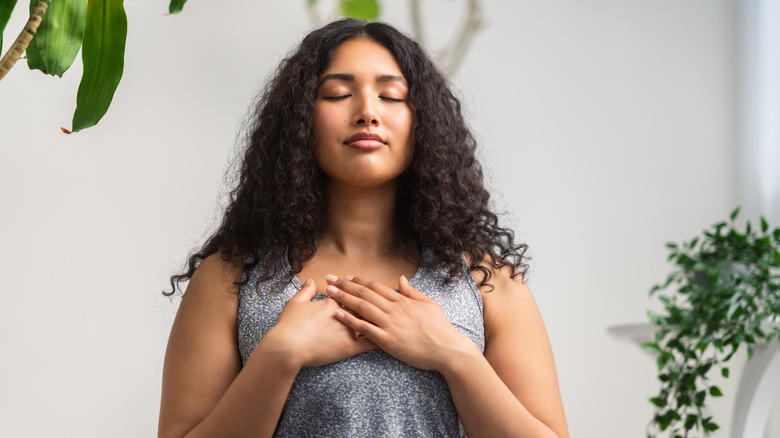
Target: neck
<point>359,220</point>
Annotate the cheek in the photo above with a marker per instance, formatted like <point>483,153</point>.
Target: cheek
<point>401,123</point>
<point>406,126</point>
<point>325,123</point>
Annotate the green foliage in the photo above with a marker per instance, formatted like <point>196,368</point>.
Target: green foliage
<point>727,295</point>
<point>176,6</point>
<point>360,9</point>
<point>103,58</point>
<point>59,35</point>
<point>6,7</point>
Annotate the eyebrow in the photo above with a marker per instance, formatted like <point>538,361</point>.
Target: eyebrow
<point>351,78</point>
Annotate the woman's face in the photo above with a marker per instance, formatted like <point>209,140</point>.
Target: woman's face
<point>362,116</point>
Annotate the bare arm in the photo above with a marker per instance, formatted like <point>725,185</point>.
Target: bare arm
<point>206,392</point>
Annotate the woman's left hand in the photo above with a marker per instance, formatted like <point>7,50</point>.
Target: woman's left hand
<point>407,325</point>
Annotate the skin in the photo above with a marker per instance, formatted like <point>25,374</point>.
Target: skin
<point>511,390</point>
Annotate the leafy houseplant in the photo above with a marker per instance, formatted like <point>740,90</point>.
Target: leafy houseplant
<point>727,294</point>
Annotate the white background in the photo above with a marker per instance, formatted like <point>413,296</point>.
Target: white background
<point>607,128</point>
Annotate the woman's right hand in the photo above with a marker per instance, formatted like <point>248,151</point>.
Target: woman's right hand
<point>308,333</point>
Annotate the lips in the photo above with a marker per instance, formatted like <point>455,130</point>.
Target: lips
<point>366,141</point>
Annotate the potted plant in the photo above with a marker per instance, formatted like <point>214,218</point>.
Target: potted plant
<point>723,293</point>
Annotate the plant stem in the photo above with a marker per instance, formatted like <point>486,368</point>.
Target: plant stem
<point>23,40</point>
<point>314,15</point>
<point>417,25</point>
<point>452,55</point>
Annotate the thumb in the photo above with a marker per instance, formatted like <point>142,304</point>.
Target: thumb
<point>307,292</point>
<point>408,290</point>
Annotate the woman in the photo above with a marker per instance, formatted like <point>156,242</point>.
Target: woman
<point>359,174</point>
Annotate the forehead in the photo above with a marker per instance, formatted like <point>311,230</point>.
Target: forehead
<point>363,56</point>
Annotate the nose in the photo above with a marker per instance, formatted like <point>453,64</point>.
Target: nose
<point>365,111</point>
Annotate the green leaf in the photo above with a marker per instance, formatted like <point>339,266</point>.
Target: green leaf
<point>663,359</point>
<point>6,7</point>
<point>60,32</point>
<point>734,214</point>
<point>715,391</point>
<point>103,56</point>
<point>34,60</point>
<point>691,421</point>
<point>725,372</point>
<point>764,225</point>
<point>360,9</point>
<point>658,401</point>
<point>310,3</point>
<point>709,426</point>
<point>176,6</point>
<point>650,347</point>
<point>750,352</point>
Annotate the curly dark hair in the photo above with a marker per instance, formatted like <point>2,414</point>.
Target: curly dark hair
<point>278,206</point>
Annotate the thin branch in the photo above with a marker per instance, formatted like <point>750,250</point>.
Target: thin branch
<point>314,14</point>
<point>417,24</point>
<point>23,40</point>
<point>452,56</point>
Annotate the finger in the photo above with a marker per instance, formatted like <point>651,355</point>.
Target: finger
<point>369,331</point>
<point>372,291</point>
<point>386,292</point>
<point>410,291</point>
<point>307,292</point>
<point>358,305</point>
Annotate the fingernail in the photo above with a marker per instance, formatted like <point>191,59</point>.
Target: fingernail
<point>404,280</point>
<point>331,290</point>
<point>349,278</point>
<point>339,314</point>
<point>331,278</point>
<point>307,282</point>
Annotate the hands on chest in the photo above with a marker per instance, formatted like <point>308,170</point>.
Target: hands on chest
<point>363,314</point>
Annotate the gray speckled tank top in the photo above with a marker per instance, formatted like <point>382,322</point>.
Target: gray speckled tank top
<point>371,394</point>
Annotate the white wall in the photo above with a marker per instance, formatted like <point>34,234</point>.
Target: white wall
<point>608,128</point>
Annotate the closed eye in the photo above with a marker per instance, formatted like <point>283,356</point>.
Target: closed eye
<point>391,99</point>
<point>334,98</point>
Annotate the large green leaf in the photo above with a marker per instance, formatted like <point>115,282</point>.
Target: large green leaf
<point>103,55</point>
<point>176,6</point>
<point>34,60</point>
<point>360,9</point>
<point>6,7</point>
<point>60,32</point>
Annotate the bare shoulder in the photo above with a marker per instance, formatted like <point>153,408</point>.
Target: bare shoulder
<point>517,346</point>
<point>505,297</point>
<point>202,357</point>
<point>212,292</point>
<point>504,284</point>
<point>216,275</point>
